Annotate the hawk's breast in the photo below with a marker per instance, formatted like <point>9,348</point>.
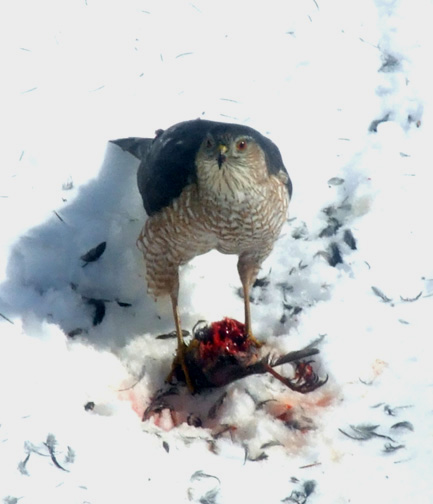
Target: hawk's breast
<point>248,221</point>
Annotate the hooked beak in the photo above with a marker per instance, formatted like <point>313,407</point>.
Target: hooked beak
<point>222,149</point>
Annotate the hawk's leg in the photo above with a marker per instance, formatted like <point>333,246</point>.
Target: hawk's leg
<point>248,270</point>
<point>180,354</point>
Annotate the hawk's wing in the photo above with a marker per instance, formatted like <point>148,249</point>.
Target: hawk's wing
<point>167,162</point>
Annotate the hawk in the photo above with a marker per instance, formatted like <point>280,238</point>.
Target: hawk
<point>208,185</point>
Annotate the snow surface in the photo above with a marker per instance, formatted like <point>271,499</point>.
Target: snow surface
<point>345,89</point>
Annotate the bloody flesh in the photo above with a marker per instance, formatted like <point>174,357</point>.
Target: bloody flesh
<point>226,337</point>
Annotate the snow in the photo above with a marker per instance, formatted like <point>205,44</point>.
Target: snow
<point>344,89</point>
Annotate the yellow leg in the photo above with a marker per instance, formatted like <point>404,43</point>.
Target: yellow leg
<point>248,267</point>
<point>180,344</point>
<point>248,330</point>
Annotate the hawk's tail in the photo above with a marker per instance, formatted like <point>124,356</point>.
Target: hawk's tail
<point>138,147</point>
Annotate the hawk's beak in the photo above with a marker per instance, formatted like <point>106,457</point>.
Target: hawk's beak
<point>222,149</point>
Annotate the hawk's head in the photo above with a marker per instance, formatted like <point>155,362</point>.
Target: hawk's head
<point>230,162</point>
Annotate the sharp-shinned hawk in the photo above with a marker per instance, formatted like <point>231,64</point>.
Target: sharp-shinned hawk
<point>208,185</point>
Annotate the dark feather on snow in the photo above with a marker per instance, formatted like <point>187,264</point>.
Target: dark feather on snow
<point>334,255</point>
<point>374,124</point>
<point>75,332</point>
<point>349,239</point>
<point>390,448</point>
<point>172,335</point>
<point>99,310</point>
<point>403,425</point>
<point>94,254</point>
<point>90,406</point>
<point>331,229</point>
<point>213,411</point>
<point>123,304</point>
<point>380,294</point>
<point>364,432</point>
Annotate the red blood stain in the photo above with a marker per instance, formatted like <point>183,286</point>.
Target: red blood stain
<point>226,337</point>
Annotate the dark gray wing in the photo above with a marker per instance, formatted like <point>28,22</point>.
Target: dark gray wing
<point>170,164</point>
<point>167,162</point>
<point>274,161</point>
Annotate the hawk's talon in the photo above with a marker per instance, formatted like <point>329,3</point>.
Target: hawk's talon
<point>254,341</point>
<point>180,360</point>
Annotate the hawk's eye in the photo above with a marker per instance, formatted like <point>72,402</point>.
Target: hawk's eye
<point>241,145</point>
<point>209,143</point>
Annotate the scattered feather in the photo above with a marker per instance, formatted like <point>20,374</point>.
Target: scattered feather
<point>301,496</point>
<point>374,124</point>
<point>75,332</point>
<point>99,310</point>
<point>411,300</point>
<point>223,428</point>
<point>22,465</point>
<point>294,310</point>
<point>390,63</point>
<point>313,464</point>
<point>5,318</point>
<point>58,216</point>
<point>137,379</point>
<point>30,90</point>
<point>390,448</point>
<point>94,254</point>
<point>97,89</point>
<point>389,411</point>
<point>261,456</point>
<point>70,456</point>
<point>204,488</point>
<point>334,255</point>
<point>172,335</point>
<point>10,500</point>
<point>68,184</point>
<point>364,432</point>
<point>300,232</point>
<point>213,411</point>
<point>335,181</point>
<point>89,406</point>
<point>123,304</point>
<point>309,487</point>
<point>331,229</point>
<point>159,402</point>
<point>51,443</point>
<point>261,282</point>
<point>199,475</point>
<point>380,294</point>
<point>270,444</point>
<point>349,239</point>
<point>403,425</point>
